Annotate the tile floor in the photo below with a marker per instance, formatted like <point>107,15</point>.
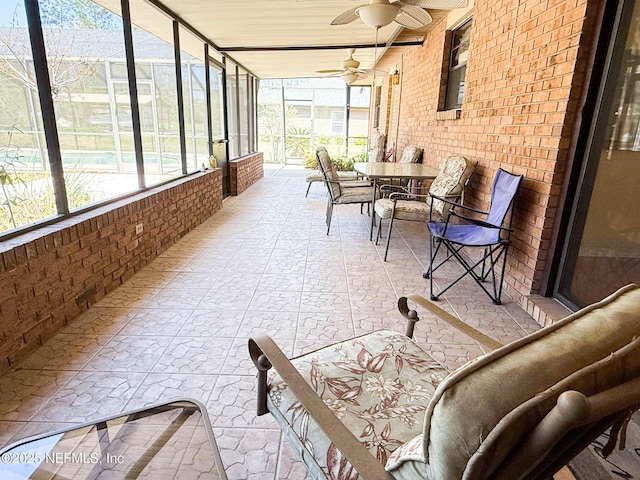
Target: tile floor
<point>263,264</point>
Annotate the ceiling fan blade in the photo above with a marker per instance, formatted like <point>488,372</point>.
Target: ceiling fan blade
<point>413,17</point>
<point>407,21</point>
<point>346,17</point>
<point>369,71</point>
<point>437,4</point>
<point>329,71</point>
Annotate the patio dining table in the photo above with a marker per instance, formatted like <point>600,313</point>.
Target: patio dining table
<point>403,171</point>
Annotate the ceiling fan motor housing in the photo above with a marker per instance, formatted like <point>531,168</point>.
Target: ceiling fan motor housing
<point>378,13</point>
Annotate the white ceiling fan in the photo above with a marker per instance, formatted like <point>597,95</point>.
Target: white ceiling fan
<point>350,71</point>
<point>407,13</point>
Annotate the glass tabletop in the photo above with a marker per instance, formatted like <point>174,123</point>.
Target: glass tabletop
<point>165,441</point>
<point>395,170</point>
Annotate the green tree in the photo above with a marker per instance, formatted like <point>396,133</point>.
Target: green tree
<point>269,118</point>
<point>271,126</point>
<point>298,141</point>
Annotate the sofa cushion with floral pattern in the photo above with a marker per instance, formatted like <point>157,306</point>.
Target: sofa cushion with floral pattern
<point>484,409</point>
<point>378,385</point>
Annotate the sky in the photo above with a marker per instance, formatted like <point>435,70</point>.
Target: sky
<point>8,8</point>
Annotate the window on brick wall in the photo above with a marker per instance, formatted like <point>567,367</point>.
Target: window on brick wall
<point>457,66</point>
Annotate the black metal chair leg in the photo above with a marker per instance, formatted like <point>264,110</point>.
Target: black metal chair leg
<point>386,248</point>
<point>504,267</point>
<point>329,215</point>
<point>379,231</point>
<point>429,273</point>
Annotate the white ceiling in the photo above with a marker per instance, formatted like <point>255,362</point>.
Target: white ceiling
<point>259,34</point>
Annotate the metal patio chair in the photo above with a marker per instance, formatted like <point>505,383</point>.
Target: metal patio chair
<point>341,193</point>
<point>491,234</point>
<point>316,176</point>
<point>404,204</point>
<point>378,406</point>
<point>410,154</point>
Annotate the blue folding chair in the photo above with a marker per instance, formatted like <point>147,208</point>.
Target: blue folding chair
<point>492,234</point>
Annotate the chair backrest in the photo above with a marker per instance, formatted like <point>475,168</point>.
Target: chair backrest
<point>376,152</point>
<point>451,180</point>
<point>504,189</point>
<point>329,172</point>
<point>410,154</point>
<point>480,414</point>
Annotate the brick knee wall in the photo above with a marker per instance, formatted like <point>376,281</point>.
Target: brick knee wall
<point>51,275</point>
<point>245,171</point>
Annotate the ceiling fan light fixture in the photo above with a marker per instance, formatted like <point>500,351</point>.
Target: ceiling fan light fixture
<point>349,78</point>
<point>377,14</point>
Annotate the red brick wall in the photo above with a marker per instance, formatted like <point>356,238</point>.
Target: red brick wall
<point>50,276</point>
<point>524,80</point>
<point>245,171</point>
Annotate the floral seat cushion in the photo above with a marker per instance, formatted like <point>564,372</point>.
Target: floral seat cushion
<point>316,176</point>
<point>379,388</point>
<point>354,194</point>
<point>450,181</point>
<point>405,210</point>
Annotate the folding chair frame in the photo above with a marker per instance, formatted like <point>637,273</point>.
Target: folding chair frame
<point>494,255</point>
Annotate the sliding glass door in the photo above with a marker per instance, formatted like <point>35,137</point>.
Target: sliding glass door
<point>603,248</point>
